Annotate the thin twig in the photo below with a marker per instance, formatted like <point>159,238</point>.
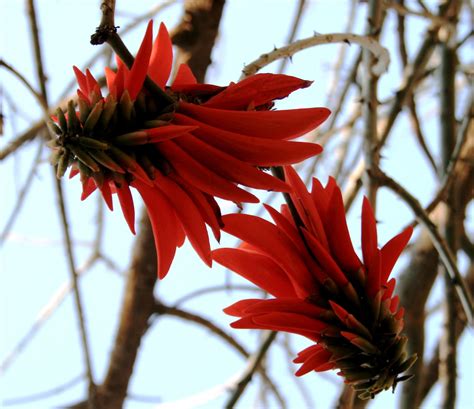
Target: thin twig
<point>218,288</point>
<point>294,28</point>
<point>23,80</point>
<point>253,364</point>
<point>444,252</point>
<point>23,400</point>
<point>162,309</point>
<point>419,133</point>
<point>61,204</point>
<point>21,195</point>
<point>370,101</point>
<point>341,57</point>
<point>379,52</point>
<point>413,73</point>
<point>402,10</point>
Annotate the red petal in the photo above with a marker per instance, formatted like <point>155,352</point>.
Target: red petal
<point>232,169</point>
<point>373,268</point>
<point>73,172</point>
<point>92,84</point>
<point>258,89</point>
<point>126,203</point>
<point>307,352</point>
<point>389,287</point>
<point>107,194</point>
<point>291,305</point>
<point>87,188</point>
<point>163,224</point>
<point>161,58</point>
<point>284,224</point>
<point>184,76</point>
<point>120,81</point>
<point>304,204</point>
<point>318,359</point>
<point>164,133</point>
<point>324,259</point>
<point>271,240</point>
<point>196,174</point>
<point>392,250</point>
<point>369,233</point>
<point>207,211</point>
<point>394,304</point>
<point>253,150</point>
<point>259,269</point>
<point>237,309</point>
<point>289,322</point>
<point>338,234</point>
<point>81,80</point>
<point>188,215</point>
<point>137,74</point>
<point>110,78</point>
<point>287,124</point>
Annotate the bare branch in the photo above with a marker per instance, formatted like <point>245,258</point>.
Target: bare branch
<point>253,364</point>
<point>444,252</point>
<point>379,52</point>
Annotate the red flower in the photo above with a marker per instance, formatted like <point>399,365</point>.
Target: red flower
<point>180,151</point>
<point>322,289</point>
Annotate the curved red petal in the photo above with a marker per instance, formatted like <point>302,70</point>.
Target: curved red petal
<point>338,234</point>
<point>163,224</point>
<point>237,309</point>
<point>258,89</point>
<point>136,76</point>
<point>257,268</point>
<point>226,165</point>
<point>81,80</point>
<point>369,233</point>
<point>305,206</point>
<point>290,322</point>
<point>289,228</point>
<point>286,124</point>
<point>92,84</point>
<point>290,305</point>
<point>254,150</point>
<point>161,58</point>
<point>208,212</point>
<point>110,78</point>
<point>164,133</point>
<point>318,359</point>
<point>188,215</point>
<point>107,194</point>
<point>392,250</point>
<point>126,203</point>
<point>270,239</point>
<point>198,175</point>
<point>87,188</point>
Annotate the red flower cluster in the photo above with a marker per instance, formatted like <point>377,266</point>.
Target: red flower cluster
<point>181,154</point>
<point>322,289</point>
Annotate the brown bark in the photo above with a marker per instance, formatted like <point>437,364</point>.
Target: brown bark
<point>196,34</point>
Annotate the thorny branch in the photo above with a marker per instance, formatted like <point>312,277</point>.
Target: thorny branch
<point>379,52</point>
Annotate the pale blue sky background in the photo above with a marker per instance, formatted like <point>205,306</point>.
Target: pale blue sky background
<point>177,360</point>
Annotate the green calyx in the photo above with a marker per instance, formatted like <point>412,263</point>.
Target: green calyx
<point>108,137</point>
